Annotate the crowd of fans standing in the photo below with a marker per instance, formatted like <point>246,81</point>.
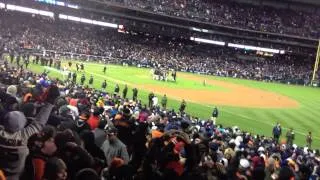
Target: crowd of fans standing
<point>233,14</point>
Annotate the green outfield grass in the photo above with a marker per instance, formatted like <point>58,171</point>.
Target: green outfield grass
<point>257,120</point>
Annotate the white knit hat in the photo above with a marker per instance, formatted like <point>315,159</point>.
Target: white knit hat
<point>12,90</point>
<point>261,149</point>
<point>244,163</point>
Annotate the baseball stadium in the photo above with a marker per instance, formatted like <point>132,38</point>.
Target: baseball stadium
<point>181,89</point>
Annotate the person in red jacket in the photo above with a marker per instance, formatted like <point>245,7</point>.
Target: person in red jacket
<point>94,118</point>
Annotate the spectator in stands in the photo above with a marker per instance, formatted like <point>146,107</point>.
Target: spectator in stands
<point>114,148</point>
<point>286,173</point>
<point>119,170</point>
<point>55,169</point>
<point>41,147</point>
<point>94,118</point>
<point>87,174</point>
<point>69,150</point>
<point>100,134</point>
<point>82,122</point>
<point>89,144</point>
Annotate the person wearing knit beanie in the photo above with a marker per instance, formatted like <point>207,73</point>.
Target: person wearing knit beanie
<point>14,121</point>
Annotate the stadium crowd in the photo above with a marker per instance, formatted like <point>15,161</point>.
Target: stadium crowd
<point>56,130</point>
<point>151,51</point>
<point>230,13</point>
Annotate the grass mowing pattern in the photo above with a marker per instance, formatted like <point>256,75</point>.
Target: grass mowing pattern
<point>256,120</point>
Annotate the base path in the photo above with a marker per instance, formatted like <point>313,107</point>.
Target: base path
<point>238,95</point>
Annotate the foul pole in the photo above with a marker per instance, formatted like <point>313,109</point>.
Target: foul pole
<point>316,63</point>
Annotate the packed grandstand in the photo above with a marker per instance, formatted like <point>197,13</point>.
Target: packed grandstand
<point>56,130</point>
<point>230,13</point>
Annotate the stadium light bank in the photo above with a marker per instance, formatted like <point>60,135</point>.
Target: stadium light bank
<point>59,3</point>
<point>255,48</point>
<point>23,9</point>
<point>28,10</point>
<point>87,21</point>
<point>2,5</point>
<point>220,43</point>
<point>239,46</point>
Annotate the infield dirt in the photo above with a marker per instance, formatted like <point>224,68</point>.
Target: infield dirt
<point>237,95</point>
